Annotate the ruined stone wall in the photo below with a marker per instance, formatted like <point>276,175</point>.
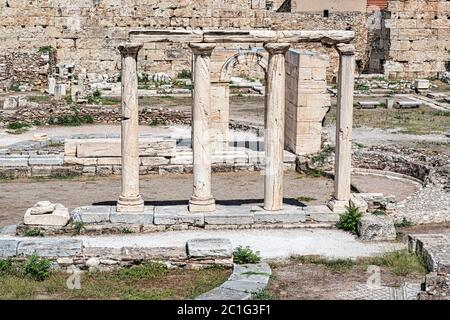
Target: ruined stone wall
<point>87,32</point>
<point>419,38</point>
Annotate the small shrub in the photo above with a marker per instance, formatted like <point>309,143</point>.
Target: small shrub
<point>245,255</point>
<point>72,120</point>
<point>323,155</point>
<point>263,295</point>
<point>77,226</point>
<point>185,74</point>
<point>34,232</point>
<point>18,125</point>
<point>404,224</point>
<point>45,50</point>
<point>6,267</point>
<point>37,269</point>
<point>349,220</point>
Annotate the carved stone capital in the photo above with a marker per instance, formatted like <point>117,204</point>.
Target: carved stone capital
<point>277,48</point>
<point>204,49</point>
<point>129,48</point>
<point>345,49</point>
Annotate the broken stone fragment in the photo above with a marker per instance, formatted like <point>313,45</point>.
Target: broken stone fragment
<point>376,228</point>
<point>40,215</point>
<point>42,207</point>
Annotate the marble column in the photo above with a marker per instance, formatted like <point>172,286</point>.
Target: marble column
<point>130,199</point>
<point>202,199</point>
<point>344,123</point>
<point>274,126</point>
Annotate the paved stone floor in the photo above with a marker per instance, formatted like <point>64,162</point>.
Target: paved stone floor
<point>407,291</point>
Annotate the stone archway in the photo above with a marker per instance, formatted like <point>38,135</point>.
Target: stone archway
<point>248,56</point>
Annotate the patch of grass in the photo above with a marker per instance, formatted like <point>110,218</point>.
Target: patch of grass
<point>72,120</point>
<point>338,265</point>
<point>63,175</point>
<point>126,231</point>
<point>323,154</point>
<point>16,288</point>
<point>34,232</point>
<point>244,255</point>
<point>401,263</point>
<point>6,266</point>
<point>253,273</point>
<point>14,87</point>
<point>18,125</point>
<point>143,271</point>
<point>206,280</point>
<point>55,144</point>
<point>441,113</point>
<point>404,224</point>
<point>305,199</point>
<point>77,227</point>
<point>158,122</point>
<point>168,97</point>
<point>263,295</point>
<point>349,220</point>
<point>36,268</point>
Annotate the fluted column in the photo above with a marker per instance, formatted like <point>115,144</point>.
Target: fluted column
<point>344,123</point>
<point>130,199</point>
<point>274,126</point>
<point>202,199</point>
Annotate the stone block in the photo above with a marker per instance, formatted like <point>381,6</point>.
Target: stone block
<point>376,228</point>
<point>170,215</point>
<point>209,248</point>
<point>57,247</point>
<point>46,160</point>
<point>58,218</point>
<point>230,216</point>
<point>154,161</point>
<point>91,214</point>
<point>14,161</point>
<point>8,247</point>
<point>221,293</point>
<point>283,216</point>
<point>243,286</point>
<point>145,217</point>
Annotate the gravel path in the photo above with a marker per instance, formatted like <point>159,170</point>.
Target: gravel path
<point>270,243</point>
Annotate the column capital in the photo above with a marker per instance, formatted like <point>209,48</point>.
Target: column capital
<point>277,48</point>
<point>204,49</point>
<point>345,49</point>
<point>129,48</point>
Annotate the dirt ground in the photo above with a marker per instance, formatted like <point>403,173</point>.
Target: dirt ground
<point>228,188</point>
<point>296,281</point>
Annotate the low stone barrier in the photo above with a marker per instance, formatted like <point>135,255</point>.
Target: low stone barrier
<point>245,281</point>
<point>73,252</point>
<point>434,248</point>
<point>95,220</point>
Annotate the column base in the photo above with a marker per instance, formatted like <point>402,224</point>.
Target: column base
<point>338,206</point>
<point>273,209</point>
<point>135,204</point>
<point>197,205</point>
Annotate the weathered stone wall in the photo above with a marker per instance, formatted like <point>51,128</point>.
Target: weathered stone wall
<point>87,32</point>
<point>419,38</point>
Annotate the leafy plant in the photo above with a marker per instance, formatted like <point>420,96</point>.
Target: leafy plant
<point>72,120</point>
<point>77,226</point>
<point>244,255</point>
<point>18,125</point>
<point>45,50</point>
<point>349,220</point>
<point>323,155</point>
<point>6,266</point>
<point>263,295</point>
<point>185,74</point>
<point>36,268</point>
<point>404,224</point>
